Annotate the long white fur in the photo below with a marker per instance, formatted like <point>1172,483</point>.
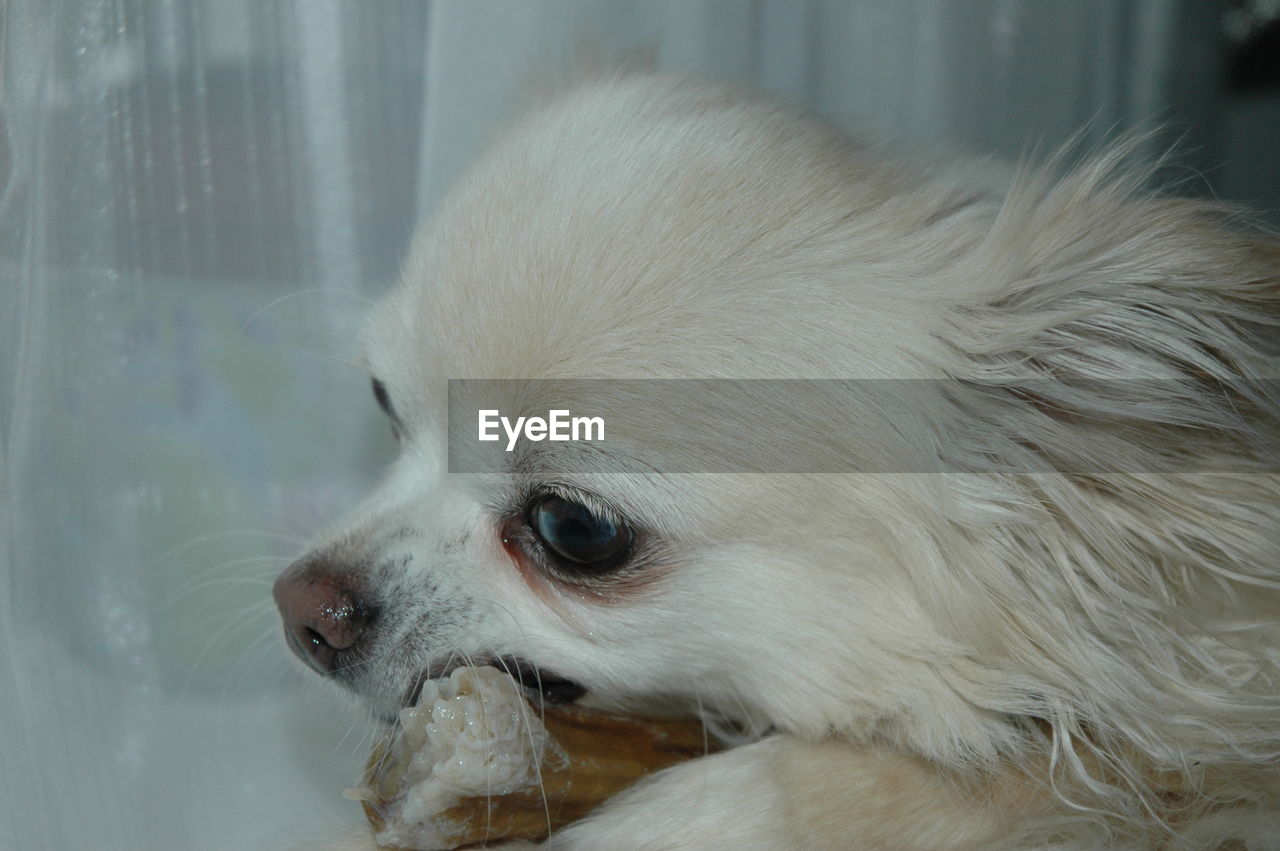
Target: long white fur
<point>960,660</point>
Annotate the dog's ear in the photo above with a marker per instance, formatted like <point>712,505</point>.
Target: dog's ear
<point>1122,331</point>
<point>1124,347</point>
<point>1123,337</point>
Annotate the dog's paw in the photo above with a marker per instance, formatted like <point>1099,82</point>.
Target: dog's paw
<point>728,800</point>
<point>782,793</point>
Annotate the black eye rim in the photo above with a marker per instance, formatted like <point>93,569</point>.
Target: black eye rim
<point>567,564</point>
<point>383,398</point>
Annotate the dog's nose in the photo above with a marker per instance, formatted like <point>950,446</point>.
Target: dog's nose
<point>321,610</point>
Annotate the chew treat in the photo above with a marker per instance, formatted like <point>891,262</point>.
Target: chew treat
<point>473,764</point>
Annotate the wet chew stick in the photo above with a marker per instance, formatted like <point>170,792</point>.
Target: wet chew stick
<point>473,763</point>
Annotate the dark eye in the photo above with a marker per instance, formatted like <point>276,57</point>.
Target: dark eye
<point>384,402</point>
<point>578,535</point>
<point>380,394</point>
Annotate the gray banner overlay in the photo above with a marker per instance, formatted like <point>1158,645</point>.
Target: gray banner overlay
<point>563,426</point>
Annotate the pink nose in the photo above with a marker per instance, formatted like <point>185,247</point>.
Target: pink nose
<point>322,613</point>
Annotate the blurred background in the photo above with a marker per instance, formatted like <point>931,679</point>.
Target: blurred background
<point>198,199</point>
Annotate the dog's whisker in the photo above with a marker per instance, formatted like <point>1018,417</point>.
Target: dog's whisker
<point>702,716</point>
<point>324,291</point>
<point>485,723</point>
<point>218,538</point>
<point>234,618</point>
<point>221,635</point>
<point>226,584</point>
<point>351,726</point>
<point>259,646</point>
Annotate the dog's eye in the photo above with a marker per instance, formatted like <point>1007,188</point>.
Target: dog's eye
<point>578,535</point>
<point>380,394</point>
<point>384,402</point>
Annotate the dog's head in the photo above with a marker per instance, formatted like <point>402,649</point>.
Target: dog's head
<point>652,227</point>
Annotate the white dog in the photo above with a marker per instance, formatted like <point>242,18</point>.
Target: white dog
<point>998,654</point>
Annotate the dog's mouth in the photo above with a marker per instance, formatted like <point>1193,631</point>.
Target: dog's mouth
<point>539,684</point>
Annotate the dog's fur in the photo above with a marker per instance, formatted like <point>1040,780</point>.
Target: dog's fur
<point>960,660</point>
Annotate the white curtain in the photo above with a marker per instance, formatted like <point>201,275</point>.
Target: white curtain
<point>198,198</point>
<point>978,76</point>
